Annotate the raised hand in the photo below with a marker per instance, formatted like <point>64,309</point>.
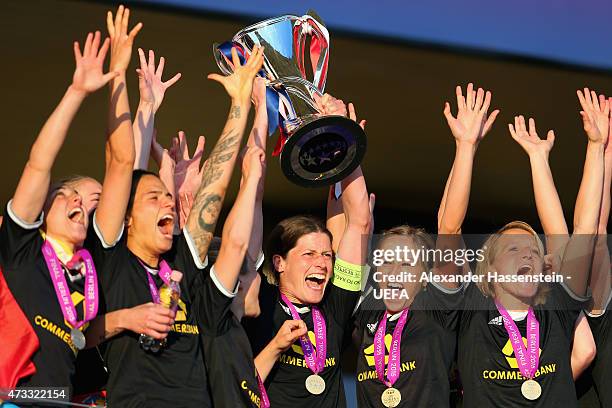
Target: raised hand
<point>166,163</point>
<point>529,139</point>
<point>121,41</point>
<point>328,105</point>
<point>88,76</point>
<point>239,84</point>
<point>595,115</point>
<point>473,121</point>
<point>185,172</point>
<point>253,164</point>
<point>188,173</point>
<point>152,88</point>
<point>353,115</point>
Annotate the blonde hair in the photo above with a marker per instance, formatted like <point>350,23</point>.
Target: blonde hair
<point>70,182</point>
<point>491,250</point>
<point>420,237</point>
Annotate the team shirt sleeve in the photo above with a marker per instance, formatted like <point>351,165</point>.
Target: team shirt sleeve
<point>16,239</point>
<point>212,303</point>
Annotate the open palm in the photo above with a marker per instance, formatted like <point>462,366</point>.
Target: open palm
<point>528,139</point>
<point>473,121</point>
<point>595,115</point>
<point>152,88</point>
<point>88,75</point>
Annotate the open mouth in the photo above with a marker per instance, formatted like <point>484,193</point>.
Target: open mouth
<point>395,285</point>
<point>525,269</point>
<point>315,281</point>
<point>76,215</point>
<point>166,225</point>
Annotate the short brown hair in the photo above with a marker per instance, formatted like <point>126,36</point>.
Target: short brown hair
<point>284,237</point>
<point>420,237</point>
<point>490,252</point>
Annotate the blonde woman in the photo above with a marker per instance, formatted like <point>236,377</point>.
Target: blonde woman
<point>516,329</point>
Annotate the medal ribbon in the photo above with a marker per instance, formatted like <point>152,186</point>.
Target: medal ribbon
<point>527,358</point>
<point>265,401</point>
<point>63,292</point>
<point>315,360</point>
<point>164,274</point>
<point>394,351</point>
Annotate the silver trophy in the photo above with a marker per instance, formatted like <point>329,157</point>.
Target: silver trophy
<point>315,149</point>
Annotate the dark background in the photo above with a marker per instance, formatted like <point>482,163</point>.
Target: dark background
<point>399,87</point>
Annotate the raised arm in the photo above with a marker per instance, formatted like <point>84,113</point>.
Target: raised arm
<point>547,200</point>
<point>152,91</point>
<point>598,124</point>
<point>584,348</point>
<point>120,153</point>
<point>469,127</point>
<point>88,77</point>
<point>220,164</point>
<point>353,245</point>
<point>577,261</point>
<point>258,137</point>
<point>239,223</point>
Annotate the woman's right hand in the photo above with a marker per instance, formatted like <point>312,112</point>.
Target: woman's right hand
<point>151,319</point>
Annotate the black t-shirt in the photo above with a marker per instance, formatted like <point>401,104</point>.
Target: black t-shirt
<point>29,280</point>
<point>488,367</point>
<point>426,350</point>
<point>228,354</point>
<point>601,326</point>
<point>174,377</point>
<point>286,382</point>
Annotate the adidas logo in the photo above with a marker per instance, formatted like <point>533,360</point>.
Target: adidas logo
<point>372,327</point>
<point>498,321</point>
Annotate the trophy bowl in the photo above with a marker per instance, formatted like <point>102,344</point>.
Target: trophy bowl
<point>315,149</point>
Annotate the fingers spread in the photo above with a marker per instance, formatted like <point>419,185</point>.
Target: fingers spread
<point>160,68</point>
<point>151,62</point>
<point>104,49</point>
<point>460,98</point>
<point>110,26</point>
<point>135,30</point>
<point>77,51</point>
<point>172,80</point>
<point>143,60</point>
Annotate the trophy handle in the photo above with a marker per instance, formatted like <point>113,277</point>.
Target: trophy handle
<point>319,49</point>
<point>222,53</point>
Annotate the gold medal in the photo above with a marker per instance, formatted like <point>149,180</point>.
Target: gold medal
<point>315,384</point>
<point>391,397</point>
<point>531,390</point>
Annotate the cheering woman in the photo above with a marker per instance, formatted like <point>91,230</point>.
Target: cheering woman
<point>46,267</point>
<point>408,343</point>
<point>321,290</point>
<point>516,329</point>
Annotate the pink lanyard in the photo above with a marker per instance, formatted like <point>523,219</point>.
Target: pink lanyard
<point>315,360</point>
<point>63,292</point>
<point>394,350</point>
<point>527,358</point>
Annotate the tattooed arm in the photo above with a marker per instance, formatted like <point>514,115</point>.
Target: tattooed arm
<point>220,164</point>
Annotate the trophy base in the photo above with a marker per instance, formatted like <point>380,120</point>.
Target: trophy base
<point>323,151</point>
